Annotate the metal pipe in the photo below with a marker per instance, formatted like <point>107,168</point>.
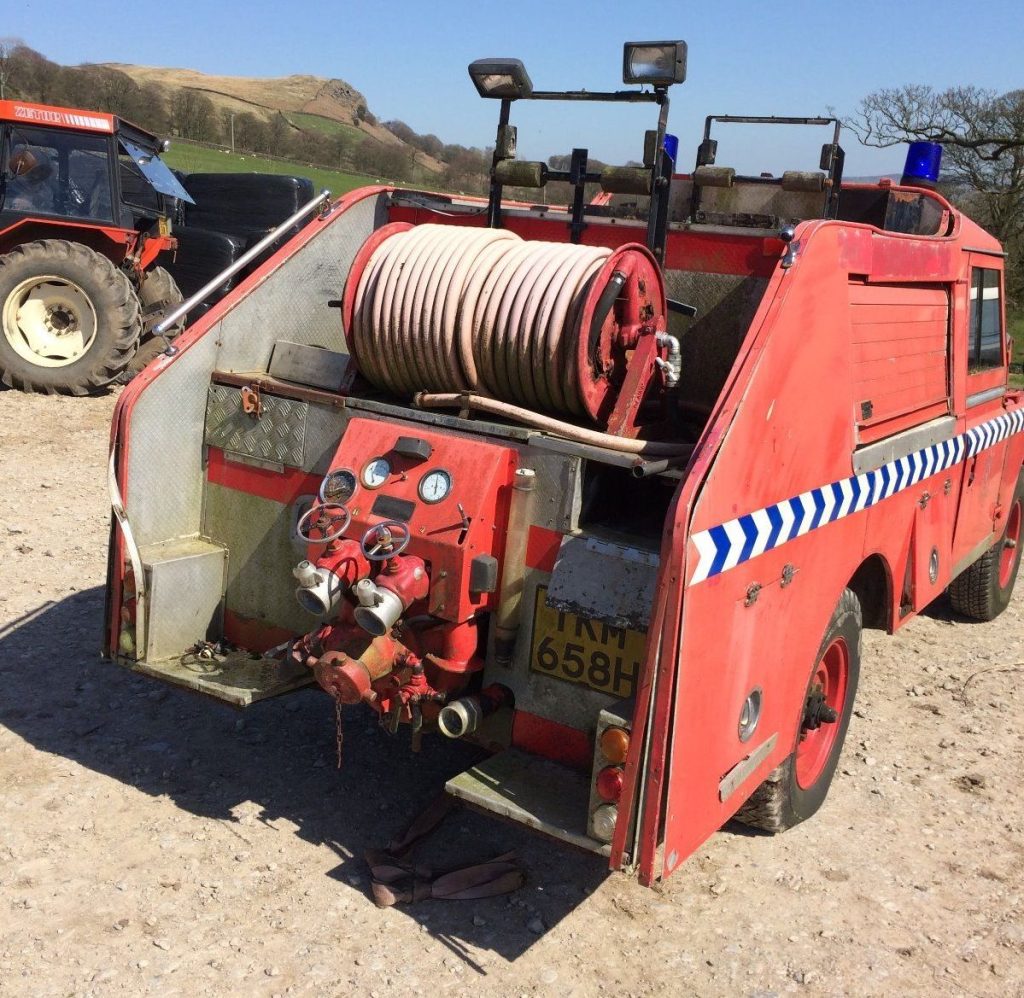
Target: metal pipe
<point>190,303</point>
<point>506,620</point>
<point>644,469</point>
<point>134,556</point>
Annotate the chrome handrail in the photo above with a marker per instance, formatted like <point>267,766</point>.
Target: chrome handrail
<point>190,303</point>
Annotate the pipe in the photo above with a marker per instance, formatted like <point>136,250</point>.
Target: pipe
<point>463,716</point>
<point>644,469</point>
<point>511,598</point>
<point>134,556</point>
<point>673,366</point>
<point>579,434</point>
<point>160,329</point>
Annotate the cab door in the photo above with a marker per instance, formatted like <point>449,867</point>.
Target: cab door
<point>981,358</point>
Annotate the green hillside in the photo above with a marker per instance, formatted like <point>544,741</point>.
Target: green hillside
<point>326,126</point>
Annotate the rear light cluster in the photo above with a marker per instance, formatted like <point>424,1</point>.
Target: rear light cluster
<point>610,753</point>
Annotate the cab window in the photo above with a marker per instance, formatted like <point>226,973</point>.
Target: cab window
<point>49,172</point>
<point>985,329</point>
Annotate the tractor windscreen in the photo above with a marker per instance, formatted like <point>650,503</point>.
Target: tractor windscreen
<point>156,171</point>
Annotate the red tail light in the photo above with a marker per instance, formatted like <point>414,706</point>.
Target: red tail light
<point>609,783</point>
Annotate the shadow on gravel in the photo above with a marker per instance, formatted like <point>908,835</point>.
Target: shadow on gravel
<point>942,609</point>
<point>58,695</point>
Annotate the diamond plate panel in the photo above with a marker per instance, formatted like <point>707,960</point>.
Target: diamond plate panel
<point>164,488</point>
<point>278,434</point>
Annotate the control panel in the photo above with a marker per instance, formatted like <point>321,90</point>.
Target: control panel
<point>452,492</point>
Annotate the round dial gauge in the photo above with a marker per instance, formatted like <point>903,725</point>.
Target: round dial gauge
<point>375,474</point>
<point>338,486</point>
<point>435,485</point>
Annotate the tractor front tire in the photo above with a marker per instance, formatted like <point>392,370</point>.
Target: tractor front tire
<point>69,319</point>
<point>797,787</point>
<point>983,590</point>
<point>159,294</point>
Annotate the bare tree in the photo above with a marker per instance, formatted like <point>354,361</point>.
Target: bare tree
<point>193,114</point>
<point>7,48</point>
<point>982,134</point>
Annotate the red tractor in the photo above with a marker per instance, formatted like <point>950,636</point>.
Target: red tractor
<point>85,210</point>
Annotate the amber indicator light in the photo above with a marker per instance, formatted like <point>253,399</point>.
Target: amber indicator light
<point>615,744</point>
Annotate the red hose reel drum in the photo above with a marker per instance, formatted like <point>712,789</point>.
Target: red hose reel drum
<point>548,326</point>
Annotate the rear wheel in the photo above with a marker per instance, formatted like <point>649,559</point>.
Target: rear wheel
<point>69,319</point>
<point>796,789</point>
<point>984,589</point>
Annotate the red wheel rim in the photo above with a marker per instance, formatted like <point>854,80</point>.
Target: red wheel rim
<point>815,746</point>
<point>1011,545</point>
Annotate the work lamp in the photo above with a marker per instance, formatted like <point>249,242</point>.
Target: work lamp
<point>500,78</point>
<point>659,64</point>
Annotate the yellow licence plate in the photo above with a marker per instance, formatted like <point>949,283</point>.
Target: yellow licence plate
<point>579,650</point>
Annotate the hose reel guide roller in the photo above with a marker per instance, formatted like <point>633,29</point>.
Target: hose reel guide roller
<point>552,327</point>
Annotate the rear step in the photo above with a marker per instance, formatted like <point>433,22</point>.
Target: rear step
<point>238,678</point>
<point>533,791</point>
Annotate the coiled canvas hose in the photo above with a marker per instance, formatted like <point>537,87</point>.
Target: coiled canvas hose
<point>449,309</point>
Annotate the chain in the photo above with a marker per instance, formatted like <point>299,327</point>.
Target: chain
<point>339,729</point>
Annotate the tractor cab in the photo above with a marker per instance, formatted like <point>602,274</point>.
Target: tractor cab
<point>84,167</point>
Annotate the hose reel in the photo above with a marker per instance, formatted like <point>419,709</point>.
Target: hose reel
<point>552,327</point>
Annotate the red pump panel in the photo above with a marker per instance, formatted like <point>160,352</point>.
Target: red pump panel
<point>447,533</point>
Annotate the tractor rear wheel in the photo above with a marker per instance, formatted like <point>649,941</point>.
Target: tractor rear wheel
<point>983,590</point>
<point>797,787</point>
<point>69,319</point>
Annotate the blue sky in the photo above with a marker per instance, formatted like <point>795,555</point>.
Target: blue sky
<point>410,59</point>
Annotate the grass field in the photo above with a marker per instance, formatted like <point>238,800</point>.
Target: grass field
<point>200,159</point>
<point>327,126</point>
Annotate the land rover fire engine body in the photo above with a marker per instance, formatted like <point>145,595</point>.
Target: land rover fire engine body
<point>611,496</point>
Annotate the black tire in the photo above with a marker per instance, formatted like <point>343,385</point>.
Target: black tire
<point>90,297</point>
<point>781,801</point>
<point>983,590</point>
<point>158,294</point>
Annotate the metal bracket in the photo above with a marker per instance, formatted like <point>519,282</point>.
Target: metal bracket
<point>753,591</point>
<point>252,401</point>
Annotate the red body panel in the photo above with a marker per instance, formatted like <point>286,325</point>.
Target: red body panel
<point>791,430</point>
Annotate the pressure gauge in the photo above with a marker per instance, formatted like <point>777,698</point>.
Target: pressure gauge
<point>338,486</point>
<point>375,474</point>
<point>435,485</point>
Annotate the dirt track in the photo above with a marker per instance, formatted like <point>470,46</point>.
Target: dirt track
<point>155,843</point>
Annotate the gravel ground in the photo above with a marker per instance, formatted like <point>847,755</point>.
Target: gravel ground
<point>153,842</point>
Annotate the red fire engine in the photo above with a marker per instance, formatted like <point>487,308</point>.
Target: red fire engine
<point>609,489</point>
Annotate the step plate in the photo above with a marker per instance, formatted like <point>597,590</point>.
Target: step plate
<point>533,791</point>
<point>237,679</point>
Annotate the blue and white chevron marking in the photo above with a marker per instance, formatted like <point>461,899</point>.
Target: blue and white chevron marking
<point>731,544</point>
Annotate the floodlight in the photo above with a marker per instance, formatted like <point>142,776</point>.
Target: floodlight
<point>500,78</point>
<point>659,64</point>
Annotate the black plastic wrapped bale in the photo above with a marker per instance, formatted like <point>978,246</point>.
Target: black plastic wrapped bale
<point>241,203</point>
<point>201,255</point>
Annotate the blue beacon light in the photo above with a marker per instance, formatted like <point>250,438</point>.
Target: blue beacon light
<point>922,166</point>
<point>672,147</point>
